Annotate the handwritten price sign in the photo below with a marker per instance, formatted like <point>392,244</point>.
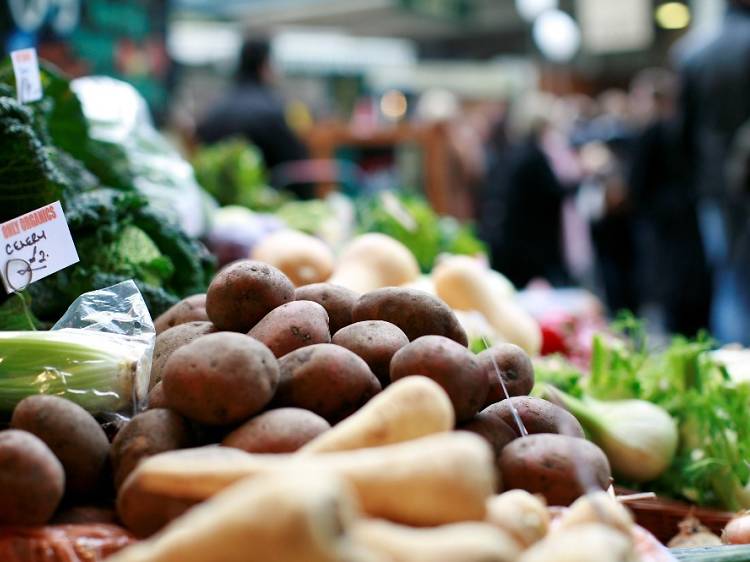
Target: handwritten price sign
<point>28,79</point>
<point>34,246</point>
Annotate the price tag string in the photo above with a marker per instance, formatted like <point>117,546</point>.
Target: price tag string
<point>25,272</point>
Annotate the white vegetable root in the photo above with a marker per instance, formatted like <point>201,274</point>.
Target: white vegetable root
<point>522,515</point>
<point>459,542</point>
<point>373,261</point>
<point>283,517</point>
<point>410,408</point>
<point>464,284</point>
<point>435,480</point>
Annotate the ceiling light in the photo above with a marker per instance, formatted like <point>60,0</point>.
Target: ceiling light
<point>673,15</point>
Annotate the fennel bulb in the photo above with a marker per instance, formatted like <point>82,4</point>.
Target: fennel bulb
<point>639,438</point>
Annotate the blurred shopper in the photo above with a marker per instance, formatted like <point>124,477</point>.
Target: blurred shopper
<point>251,109</point>
<point>715,106</point>
<point>606,154</point>
<point>521,214</point>
<point>660,192</point>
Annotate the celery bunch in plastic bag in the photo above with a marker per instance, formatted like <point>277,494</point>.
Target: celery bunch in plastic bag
<point>95,370</point>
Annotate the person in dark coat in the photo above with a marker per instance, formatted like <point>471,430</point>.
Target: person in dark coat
<point>715,106</point>
<point>252,110</point>
<point>521,212</point>
<point>660,191</point>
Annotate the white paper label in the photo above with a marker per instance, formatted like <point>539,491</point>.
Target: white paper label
<point>28,79</point>
<point>34,246</point>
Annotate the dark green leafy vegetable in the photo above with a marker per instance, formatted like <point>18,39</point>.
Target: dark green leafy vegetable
<point>233,172</point>
<point>15,314</point>
<point>28,176</point>
<point>117,233</point>
<point>119,237</point>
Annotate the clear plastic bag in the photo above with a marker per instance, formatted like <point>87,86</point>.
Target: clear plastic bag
<point>98,355</point>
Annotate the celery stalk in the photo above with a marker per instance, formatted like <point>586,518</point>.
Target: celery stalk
<point>92,369</point>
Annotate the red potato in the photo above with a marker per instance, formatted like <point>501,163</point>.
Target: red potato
<point>559,467</point>
<point>416,312</point>
<point>338,302</point>
<point>492,427</point>
<point>220,379</point>
<point>326,379</point>
<point>148,433</point>
<point>190,309</point>
<point>71,433</point>
<point>156,398</point>
<point>32,480</point>
<point>174,338</point>
<point>376,342</point>
<point>515,368</point>
<point>283,430</point>
<point>244,292</point>
<point>451,365</point>
<point>537,416</point>
<point>291,326</point>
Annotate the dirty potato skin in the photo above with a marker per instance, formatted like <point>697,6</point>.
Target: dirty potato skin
<point>144,513</point>
<point>170,340</point>
<point>553,465</point>
<point>32,480</point>
<point>375,341</point>
<point>515,367</point>
<point>220,379</point>
<point>338,302</point>
<point>451,365</point>
<point>71,433</point>
<point>283,430</point>
<point>244,292</point>
<point>416,312</point>
<point>148,433</point>
<point>326,379</point>
<point>537,415</point>
<point>291,326</point>
<point>190,309</point>
<point>156,398</point>
<point>490,426</point>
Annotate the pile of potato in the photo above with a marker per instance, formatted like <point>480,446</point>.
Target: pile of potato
<point>361,424</point>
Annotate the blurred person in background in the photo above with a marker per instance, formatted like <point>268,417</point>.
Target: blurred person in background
<point>606,152</point>
<point>661,196</point>
<point>251,109</point>
<point>521,215</point>
<point>715,105</point>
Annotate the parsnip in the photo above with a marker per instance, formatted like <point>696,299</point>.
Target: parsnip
<point>373,261</point>
<point>285,517</point>
<point>459,542</point>
<point>303,258</point>
<point>520,514</point>
<point>598,507</point>
<point>410,408</point>
<point>592,542</point>
<point>464,284</point>
<point>439,479</point>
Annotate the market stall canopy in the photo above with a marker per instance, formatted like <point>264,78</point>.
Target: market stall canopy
<point>417,19</point>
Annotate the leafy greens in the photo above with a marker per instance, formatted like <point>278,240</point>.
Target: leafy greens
<point>712,410</point>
